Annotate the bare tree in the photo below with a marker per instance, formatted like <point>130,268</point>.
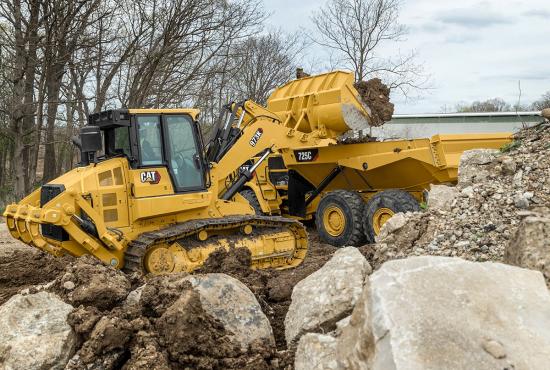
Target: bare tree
<point>265,62</point>
<point>489,105</point>
<point>542,103</point>
<point>356,30</point>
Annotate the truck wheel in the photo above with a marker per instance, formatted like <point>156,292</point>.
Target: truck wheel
<point>338,218</point>
<point>250,196</point>
<point>382,206</point>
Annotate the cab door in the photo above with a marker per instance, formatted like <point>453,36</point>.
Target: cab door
<point>169,156</point>
<point>183,153</point>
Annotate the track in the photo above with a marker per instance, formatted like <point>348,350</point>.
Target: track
<point>138,248</point>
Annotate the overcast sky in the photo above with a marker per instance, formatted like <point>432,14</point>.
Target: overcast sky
<point>473,50</point>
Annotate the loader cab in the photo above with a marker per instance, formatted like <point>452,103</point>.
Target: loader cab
<point>166,139</point>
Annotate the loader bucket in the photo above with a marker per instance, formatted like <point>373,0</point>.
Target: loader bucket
<point>327,104</point>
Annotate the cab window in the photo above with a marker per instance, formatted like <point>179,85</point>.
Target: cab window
<point>150,143</point>
<point>183,153</point>
<point>122,141</point>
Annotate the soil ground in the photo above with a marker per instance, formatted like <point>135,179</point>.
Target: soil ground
<point>22,266</point>
<point>101,317</point>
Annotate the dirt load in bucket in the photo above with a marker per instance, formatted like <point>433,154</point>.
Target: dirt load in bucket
<point>376,95</point>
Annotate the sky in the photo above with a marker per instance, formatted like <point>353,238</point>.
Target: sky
<point>471,49</point>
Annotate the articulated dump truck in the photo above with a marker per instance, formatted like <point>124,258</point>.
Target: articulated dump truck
<point>349,188</point>
<point>149,195</point>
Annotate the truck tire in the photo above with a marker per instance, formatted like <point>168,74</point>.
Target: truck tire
<point>338,218</point>
<point>382,206</point>
<point>250,196</point>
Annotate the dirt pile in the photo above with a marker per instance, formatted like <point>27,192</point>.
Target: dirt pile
<point>22,266</point>
<point>376,96</point>
<point>495,192</point>
<point>166,328</point>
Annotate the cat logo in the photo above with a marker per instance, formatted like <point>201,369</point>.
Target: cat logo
<point>257,135</point>
<point>152,177</point>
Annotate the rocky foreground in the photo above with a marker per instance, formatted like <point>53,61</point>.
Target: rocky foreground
<point>461,285</point>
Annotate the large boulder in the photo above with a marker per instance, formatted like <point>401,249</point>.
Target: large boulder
<point>326,296</point>
<point>34,333</point>
<point>530,246</point>
<point>441,197</point>
<point>447,313</point>
<point>316,352</point>
<point>231,302</point>
<point>473,167</point>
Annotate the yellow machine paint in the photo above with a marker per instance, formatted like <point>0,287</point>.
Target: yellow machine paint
<point>161,201</point>
<point>322,108</point>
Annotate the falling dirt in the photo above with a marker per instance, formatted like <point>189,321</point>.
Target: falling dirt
<point>377,96</point>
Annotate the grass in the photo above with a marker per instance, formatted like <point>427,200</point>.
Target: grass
<point>510,146</point>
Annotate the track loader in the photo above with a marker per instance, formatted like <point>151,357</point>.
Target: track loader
<point>146,197</point>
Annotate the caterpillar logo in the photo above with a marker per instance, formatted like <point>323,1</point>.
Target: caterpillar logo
<point>257,135</point>
<point>152,177</point>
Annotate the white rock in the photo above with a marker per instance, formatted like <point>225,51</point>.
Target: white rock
<point>326,296</point>
<point>395,222</point>
<point>446,313</point>
<point>521,202</point>
<point>316,352</point>
<point>134,296</point>
<point>468,191</point>
<point>34,333</point>
<point>231,302</point>
<point>472,165</point>
<point>441,197</point>
<point>69,285</point>
<point>530,246</point>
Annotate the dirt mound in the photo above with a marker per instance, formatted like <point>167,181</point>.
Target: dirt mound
<point>377,96</point>
<point>24,267</point>
<point>166,328</point>
<point>90,283</point>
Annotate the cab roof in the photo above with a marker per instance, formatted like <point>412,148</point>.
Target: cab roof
<point>121,117</point>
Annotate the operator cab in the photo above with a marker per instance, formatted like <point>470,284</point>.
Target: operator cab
<point>149,138</point>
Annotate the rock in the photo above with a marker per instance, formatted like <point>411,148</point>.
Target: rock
<point>134,296</point>
<point>35,333</point>
<point>396,222</point>
<point>316,352</point>
<point>521,202</point>
<point>468,191</point>
<point>530,246</point>
<point>448,313</point>
<point>326,296</point>
<point>494,348</point>
<point>441,197</point>
<point>509,166</point>
<point>232,303</point>
<point>69,285</point>
<point>471,165</point>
